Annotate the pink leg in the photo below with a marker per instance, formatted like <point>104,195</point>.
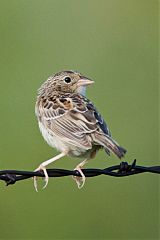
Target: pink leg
<point>42,167</point>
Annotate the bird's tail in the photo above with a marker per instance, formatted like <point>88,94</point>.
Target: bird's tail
<point>109,144</point>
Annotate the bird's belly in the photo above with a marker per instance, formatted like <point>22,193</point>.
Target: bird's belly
<point>61,145</point>
<point>52,139</point>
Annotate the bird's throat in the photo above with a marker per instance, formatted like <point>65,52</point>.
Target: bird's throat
<point>81,90</point>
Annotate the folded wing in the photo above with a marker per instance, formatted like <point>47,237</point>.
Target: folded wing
<point>74,119</point>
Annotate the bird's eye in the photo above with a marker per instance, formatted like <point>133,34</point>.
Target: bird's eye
<point>67,79</point>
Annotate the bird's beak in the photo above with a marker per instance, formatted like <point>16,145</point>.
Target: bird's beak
<point>84,82</point>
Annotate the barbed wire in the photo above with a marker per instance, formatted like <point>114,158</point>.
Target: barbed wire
<point>122,170</point>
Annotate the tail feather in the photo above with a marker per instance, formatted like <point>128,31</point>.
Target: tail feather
<point>109,145</point>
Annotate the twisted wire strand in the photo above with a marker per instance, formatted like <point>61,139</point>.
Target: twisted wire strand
<point>122,170</point>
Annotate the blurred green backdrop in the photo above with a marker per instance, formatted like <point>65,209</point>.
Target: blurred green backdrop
<point>115,43</point>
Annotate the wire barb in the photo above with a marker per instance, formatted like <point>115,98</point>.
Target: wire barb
<point>122,170</point>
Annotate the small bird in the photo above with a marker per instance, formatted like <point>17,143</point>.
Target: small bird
<point>70,122</point>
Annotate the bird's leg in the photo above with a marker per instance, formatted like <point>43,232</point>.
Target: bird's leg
<point>80,180</point>
<point>42,167</point>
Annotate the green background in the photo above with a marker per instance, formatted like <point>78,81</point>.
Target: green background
<point>115,43</point>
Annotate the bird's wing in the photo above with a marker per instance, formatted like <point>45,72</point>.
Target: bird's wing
<point>100,121</point>
<point>72,118</point>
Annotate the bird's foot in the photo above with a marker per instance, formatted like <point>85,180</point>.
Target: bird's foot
<point>46,178</point>
<point>79,180</point>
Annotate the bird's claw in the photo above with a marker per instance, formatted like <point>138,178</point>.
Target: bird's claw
<point>46,178</point>
<point>80,180</point>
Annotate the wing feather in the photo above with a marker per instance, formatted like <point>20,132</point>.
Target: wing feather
<point>72,118</point>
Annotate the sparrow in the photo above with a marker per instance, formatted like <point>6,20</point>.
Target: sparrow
<point>71,123</point>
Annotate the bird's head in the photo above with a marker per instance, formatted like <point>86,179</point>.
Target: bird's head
<point>67,82</point>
